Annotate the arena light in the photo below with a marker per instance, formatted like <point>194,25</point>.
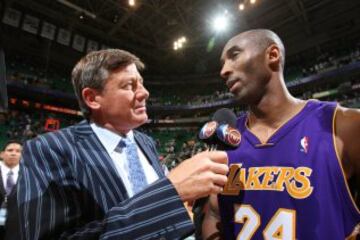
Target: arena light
<point>179,43</point>
<point>252,1</point>
<point>183,39</point>
<point>132,3</point>
<point>241,6</point>
<point>220,23</point>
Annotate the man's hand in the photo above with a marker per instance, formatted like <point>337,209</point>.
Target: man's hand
<point>201,175</point>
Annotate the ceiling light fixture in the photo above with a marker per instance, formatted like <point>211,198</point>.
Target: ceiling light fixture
<point>132,3</point>
<point>179,43</point>
<point>220,23</point>
<point>241,6</point>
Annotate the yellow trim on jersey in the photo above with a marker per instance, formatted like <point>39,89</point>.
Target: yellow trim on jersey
<point>339,160</point>
<point>263,144</point>
<point>355,232</point>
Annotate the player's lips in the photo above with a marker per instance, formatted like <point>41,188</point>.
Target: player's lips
<point>231,83</point>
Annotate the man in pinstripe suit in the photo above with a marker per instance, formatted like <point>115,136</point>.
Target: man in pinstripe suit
<point>74,184</point>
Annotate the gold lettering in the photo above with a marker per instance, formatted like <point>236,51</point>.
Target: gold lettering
<point>295,181</point>
<point>268,177</point>
<point>233,185</point>
<point>301,176</point>
<point>286,173</point>
<point>242,178</point>
<point>253,181</point>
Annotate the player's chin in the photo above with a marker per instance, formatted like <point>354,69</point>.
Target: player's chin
<point>239,94</point>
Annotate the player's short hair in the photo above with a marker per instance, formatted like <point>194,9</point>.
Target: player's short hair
<point>263,38</point>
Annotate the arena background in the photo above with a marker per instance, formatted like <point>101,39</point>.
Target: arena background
<point>43,39</point>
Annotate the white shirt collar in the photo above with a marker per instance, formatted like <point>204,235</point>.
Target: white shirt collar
<point>6,169</point>
<point>108,138</point>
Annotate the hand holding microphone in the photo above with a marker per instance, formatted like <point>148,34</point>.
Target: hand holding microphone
<point>201,175</point>
<point>220,133</point>
<point>205,173</point>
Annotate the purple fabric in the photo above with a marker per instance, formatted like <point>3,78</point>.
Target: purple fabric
<point>303,150</point>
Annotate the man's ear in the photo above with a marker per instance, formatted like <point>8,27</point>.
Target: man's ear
<point>274,56</point>
<point>90,97</point>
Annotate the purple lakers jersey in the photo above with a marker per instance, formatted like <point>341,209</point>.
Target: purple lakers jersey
<point>292,186</point>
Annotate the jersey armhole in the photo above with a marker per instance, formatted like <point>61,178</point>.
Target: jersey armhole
<point>337,155</point>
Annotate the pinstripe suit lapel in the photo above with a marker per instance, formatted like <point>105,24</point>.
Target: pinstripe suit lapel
<point>150,154</point>
<point>102,174</point>
<point>2,185</point>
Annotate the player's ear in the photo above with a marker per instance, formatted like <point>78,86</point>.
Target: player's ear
<point>273,56</point>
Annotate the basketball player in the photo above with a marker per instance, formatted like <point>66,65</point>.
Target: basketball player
<point>288,179</point>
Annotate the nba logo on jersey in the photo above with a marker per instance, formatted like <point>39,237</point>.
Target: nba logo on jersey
<point>304,142</point>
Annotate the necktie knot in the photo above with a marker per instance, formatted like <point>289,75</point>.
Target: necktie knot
<point>121,145</point>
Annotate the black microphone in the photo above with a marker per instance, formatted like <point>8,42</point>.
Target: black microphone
<point>219,134</point>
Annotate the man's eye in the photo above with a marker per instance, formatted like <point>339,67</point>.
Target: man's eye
<point>127,86</point>
<point>234,54</point>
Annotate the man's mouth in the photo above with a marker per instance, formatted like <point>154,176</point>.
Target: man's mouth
<point>231,84</point>
<point>140,108</point>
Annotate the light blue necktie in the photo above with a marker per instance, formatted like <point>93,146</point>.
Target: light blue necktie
<point>136,174</point>
<point>9,182</point>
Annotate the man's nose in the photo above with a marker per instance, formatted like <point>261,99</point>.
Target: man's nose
<point>225,70</point>
<point>142,92</point>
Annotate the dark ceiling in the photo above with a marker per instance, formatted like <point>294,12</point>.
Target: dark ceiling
<point>308,27</point>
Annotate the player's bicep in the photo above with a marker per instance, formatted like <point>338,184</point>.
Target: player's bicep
<point>347,127</point>
<point>211,224</point>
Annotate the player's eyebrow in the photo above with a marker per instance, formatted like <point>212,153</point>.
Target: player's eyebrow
<point>228,53</point>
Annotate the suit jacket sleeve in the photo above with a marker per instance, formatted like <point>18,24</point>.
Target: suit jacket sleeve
<point>53,204</point>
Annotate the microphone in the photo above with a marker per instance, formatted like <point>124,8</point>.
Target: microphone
<point>219,134</point>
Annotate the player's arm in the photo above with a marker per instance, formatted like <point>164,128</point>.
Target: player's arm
<point>347,135</point>
<point>211,223</point>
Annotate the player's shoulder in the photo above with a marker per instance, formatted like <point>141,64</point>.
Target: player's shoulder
<point>347,119</point>
<point>344,112</point>
<point>321,111</point>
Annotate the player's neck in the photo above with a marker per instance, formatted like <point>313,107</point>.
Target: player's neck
<point>274,109</point>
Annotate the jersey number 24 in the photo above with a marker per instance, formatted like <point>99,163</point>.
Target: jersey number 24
<point>280,227</point>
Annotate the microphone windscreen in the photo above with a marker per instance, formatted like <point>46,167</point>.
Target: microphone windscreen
<point>208,130</point>
<point>225,116</point>
<point>230,136</point>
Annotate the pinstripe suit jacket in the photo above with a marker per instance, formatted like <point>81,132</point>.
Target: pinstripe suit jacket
<point>68,188</point>
<point>2,188</point>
